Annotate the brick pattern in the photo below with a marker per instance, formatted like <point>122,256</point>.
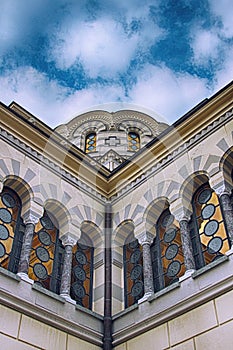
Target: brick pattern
<point>207,327</point>
<point>20,332</point>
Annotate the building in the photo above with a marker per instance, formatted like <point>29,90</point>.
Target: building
<point>116,230</point>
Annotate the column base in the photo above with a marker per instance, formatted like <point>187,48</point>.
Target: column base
<point>145,297</point>
<point>186,275</point>
<point>25,277</point>
<point>68,298</point>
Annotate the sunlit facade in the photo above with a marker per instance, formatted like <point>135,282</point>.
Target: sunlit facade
<point>116,230</point>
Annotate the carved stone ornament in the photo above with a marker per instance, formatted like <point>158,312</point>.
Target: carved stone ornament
<point>145,238</point>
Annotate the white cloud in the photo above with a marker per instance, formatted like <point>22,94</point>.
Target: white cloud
<point>101,46</point>
<point>224,9</point>
<point>104,46</point>
<point>168,94</point>
<point>205,45</point>
<point>48,100</point>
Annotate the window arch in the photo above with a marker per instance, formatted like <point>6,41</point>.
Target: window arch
<point>82,273</point>
<point>133,271</point>
<point>90,142</point>
<point>207,229</point>
<point>166,252</point>
<point>133,141</point>
<point>11,229</point>
<point>47,254</point>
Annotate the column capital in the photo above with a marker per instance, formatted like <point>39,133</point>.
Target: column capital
<point>30,218</point>
<point>68,239</point>
<point>221,189</point>
<point>181,214</point>
<point>145,238</point>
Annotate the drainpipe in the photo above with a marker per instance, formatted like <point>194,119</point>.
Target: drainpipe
<point>107,338</point>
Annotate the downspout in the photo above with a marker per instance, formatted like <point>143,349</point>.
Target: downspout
<point>107,338</point>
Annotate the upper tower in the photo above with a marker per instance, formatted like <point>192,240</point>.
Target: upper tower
<point>111,138</point>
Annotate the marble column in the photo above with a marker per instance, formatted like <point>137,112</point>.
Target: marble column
<point>146,239</point>
<point>68,243</point>
<point>186,244</point>
<point>225,201</point>
<point>30,221</point>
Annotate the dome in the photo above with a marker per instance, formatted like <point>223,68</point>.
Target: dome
<point>111,138</point>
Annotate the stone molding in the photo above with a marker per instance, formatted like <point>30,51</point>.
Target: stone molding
<point>138,181</point>
<point>30,218</point>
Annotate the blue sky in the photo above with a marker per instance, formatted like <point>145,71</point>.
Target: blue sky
<point>60,58</point>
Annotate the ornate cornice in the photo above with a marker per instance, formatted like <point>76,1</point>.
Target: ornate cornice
<point>176,153</point>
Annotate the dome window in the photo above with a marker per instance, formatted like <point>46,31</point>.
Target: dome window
<point>133,141</point>
<point>90,144</point>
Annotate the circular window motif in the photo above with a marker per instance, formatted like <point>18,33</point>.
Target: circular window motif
<point>134,147</point>
<point>137,289</point>
<point>46,223</point>
<point>91,142</point>
<point>208,211</point>
<point>79,290</point>
<point>4,233</point>
<point>44,238</point>
<point>80,257</point>
<point>169,235</point>
<point>135,256</point>
<point>171,251</point>
<point>90,148</point>
<point>168,220</point>
<point>80,274</point>
<point>134,136</point>
<point>136,272</point>
<point>42,254</point>
<point>5,215</point>
<point>40,271</point>
<point>204,196</point>
<point>2,250</point>
<point>91,136</point>
<point>133,141</point>
<point>214,245</point>
<point>133,244</point>
<point>8,200</point>
<point>211,227</point>
<point>173,268</point>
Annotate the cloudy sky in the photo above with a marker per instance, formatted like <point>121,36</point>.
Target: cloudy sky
<point>59,58</point>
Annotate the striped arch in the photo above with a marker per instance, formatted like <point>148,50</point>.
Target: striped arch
<point>80,213</point>
<point>120,234</point>
<point>22,188</point>
<point>153,212</point>
<point>93,232</point>
<point>60,213</point>
<point>189,187</point>
<point>226,165</point>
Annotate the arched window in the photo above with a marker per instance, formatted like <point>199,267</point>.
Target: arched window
<point>166,252</point>
<point>133,141</point>
<point>82,273</point>
<point>90,143</point>
<point>11,229</point>
<point>133,271</point>
<point>46,259</point>
<point>208,234</point>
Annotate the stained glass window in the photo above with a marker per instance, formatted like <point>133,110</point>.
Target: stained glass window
<point>11,229</point>
<point>46,259</point>
<point>133,141</point>
<point>208,234</point>
<point>90,144</point>
<point>82,274</point>
<point>133,271</point>
<point>166,252</point>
